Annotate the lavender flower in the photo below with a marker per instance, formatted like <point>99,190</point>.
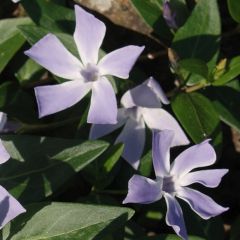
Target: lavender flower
<point>7,126</point>
<point>3,121</point>
<point>169,15</point>
<point>9,206</point>
<point>141,105</point>
<point>172,181</point>
<point>85,75</point>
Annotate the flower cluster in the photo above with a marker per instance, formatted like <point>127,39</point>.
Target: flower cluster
<point>141,106</point>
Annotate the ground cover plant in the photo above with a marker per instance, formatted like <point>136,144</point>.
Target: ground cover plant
<point>119,119</point>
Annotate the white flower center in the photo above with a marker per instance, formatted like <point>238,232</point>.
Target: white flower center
<point>169,185</point>
<point>90,72</point>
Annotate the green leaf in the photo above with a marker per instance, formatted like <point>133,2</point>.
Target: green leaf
<point>102,171</point>
<point>61,221</point>
<point>41,165</point>
<point>231,72</point>
<point>197,115</point>
<point>234,9</point>
<point>199,36</point>
<point>51,16</point>
<point>10,40</point>
<point>145,167</point>
<point>12,98</point>
<point>197,69</point>
<point>226,103</point>
<point>29,73</point>
<point>34,34</point>
<point>151,11</point>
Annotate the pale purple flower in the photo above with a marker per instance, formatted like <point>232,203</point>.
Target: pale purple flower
<point>169,15</point>
<point>85,75</point>
<point>9,206</point>
<point>7,126</point>
<point>172,181</point>
<point>141,105</point>
<point>3,120</point>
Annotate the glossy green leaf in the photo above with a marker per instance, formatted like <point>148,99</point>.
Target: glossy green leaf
<point>102,171</point>
<point>34,34</point>
<point>10,39</point>
<point>66,221</point>
<point>195,66</point>
<point>226,102</point>
<point>145,167</point>
<point>197,115</point>
<point>51,16</point>
<point>231,72</point>
<point>13,98</point>
<point>151,11</point>
<point>29,73</point>
<point>199,36</point>
<point>234,9</point>
<point>40,165</point>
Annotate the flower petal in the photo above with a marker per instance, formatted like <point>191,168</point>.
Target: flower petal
<point>199,155</point>
<point>9,207</point>
<point>141,96</point>
<point>120,62</point>
<point>88,35</point>
<point>50,53</point>
<point>169,15</point>
<point>160,119</point>
<point>3,120</point>
<point>174,216</point>
<point>200,203</point>
<point>155,86</point>
<point>99,130</point>
<point>208,178</point>
<point>133,138</point>
<point>161,151</point>
<point>4,155</point>
<point>55,98</point>
<point>142,190</point>
<point>103,108</point>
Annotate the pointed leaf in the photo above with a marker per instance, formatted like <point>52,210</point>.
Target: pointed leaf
<point>199,36</point>
<point>102,171</point>
<point>41,165</point>
<point>61,221</point>
<point>51,16</point>
<point>234,9</point>
<point>10,40</point>
<point>197,115</point>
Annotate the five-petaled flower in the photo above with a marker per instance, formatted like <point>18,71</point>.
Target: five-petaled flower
<point>9,206</point>
<point>85,75</point>
<point>172,181</point>
<point>141,105</point>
